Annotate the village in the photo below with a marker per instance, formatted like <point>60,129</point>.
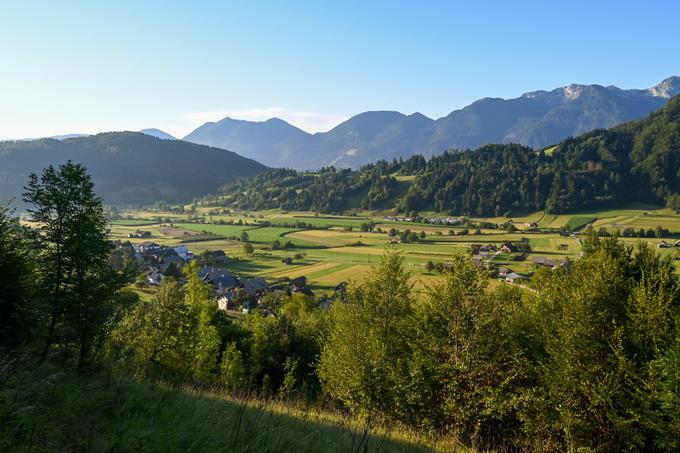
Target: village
<point>230,291</point>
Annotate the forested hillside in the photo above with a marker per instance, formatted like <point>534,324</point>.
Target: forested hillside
<point>128,167</point>
<point>637,161</point>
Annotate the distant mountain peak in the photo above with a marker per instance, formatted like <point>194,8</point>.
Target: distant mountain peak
<point>534,94</point>
<point>572,91</point>
<point>666,89</point>
<point>419,116</point>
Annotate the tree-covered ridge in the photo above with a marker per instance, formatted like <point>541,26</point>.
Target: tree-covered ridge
<point>329,190</point>
<point>128,167</point>
<point>637,161</point>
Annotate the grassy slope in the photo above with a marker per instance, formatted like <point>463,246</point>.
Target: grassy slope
<point>52,410</point>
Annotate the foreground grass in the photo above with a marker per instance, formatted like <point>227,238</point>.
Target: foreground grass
<point>48,409</point>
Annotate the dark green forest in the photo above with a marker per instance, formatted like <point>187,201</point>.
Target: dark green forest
<point>637,161</point>
<point>129,168</point>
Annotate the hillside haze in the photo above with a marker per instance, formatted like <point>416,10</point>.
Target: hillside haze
<point>127,167</point>
<point>535,119</point>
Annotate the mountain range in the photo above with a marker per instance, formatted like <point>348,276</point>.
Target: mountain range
<point>128,168</point>
<point>537,119</point>
<point>636,161</point>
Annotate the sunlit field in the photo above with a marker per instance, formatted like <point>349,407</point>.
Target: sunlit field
<point>338,251</point>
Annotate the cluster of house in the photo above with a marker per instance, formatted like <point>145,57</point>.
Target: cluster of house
<point>230,291</point>
<point>226,287</point>
<point>391,218</point>
<point>156,259</point>
<point>486,252</point>
<point>433,220</point>
<point>140,234</point>
<point>667,245</point>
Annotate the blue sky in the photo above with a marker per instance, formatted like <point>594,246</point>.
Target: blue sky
<point>89,66</point>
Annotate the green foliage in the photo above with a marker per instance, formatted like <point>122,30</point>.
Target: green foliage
<point>328,190</point>
<point>673,202</point>
<point>467,368</point>
<point>429,266</point>
<point>77,280</point>
<point>206,338</point>
<point>284,348</point>
<point>363,363</point>
<point>604,328</point>
<point>16,281</point>
<point>585,360</point>
<point>233,372</point>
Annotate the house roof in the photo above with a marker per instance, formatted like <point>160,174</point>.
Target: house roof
<point>512,276</point>
<point>254,284</point>
<point>543,260</point>
<point>304,290</point>
<point>172,259</point>
<point>299,281</point>
<point>218,277</point>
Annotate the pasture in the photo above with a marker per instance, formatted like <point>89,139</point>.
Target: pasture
<point>330,249</point>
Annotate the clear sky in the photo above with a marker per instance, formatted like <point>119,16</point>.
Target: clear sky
<point>90,66</point>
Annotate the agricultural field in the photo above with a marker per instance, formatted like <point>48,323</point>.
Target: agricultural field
<point>335,250</point>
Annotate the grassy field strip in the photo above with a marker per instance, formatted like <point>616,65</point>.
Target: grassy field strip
<point>417,227</point>
<point>302,270</point>
<point>526,218</point>
<point>579,221</point>
<point>354,273</point>
<point>133,223</point>
<point>331,270</point>
<point>547,220</point>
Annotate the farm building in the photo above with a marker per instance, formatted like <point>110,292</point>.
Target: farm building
<point>513,277</point>
<point>508,248</point>
<point>504,271</point>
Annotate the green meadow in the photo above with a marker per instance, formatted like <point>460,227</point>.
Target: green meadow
<point>335,250</point>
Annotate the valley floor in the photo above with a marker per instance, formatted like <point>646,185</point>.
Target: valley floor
<point>342,252</point>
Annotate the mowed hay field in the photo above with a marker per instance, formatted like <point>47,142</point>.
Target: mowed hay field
<point>337,254</point>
